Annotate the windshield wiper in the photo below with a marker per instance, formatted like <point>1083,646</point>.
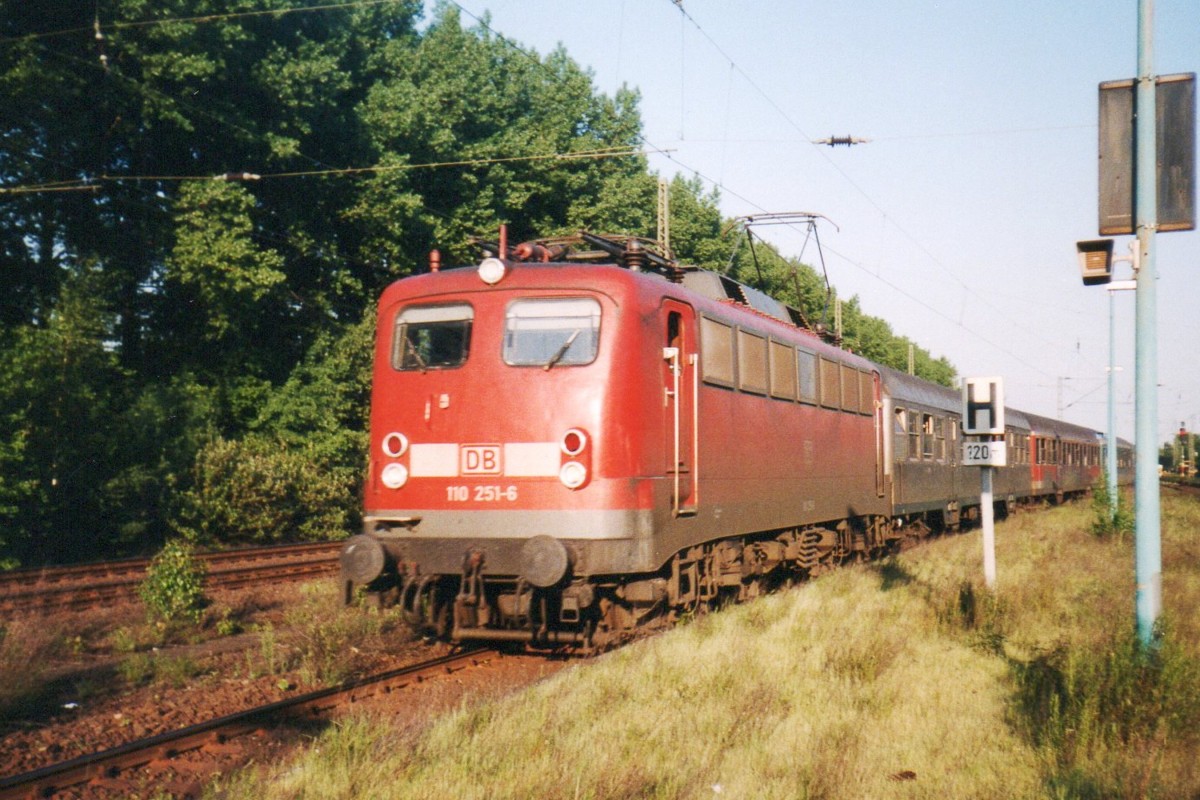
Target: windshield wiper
<point>412,348</point>
<point>562,351</point>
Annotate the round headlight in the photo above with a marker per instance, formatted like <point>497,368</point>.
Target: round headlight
<point>491,270</point>
<point>394,445</point>
<point>573,442</point>
<point>394,476</point>
<point>573,474</point>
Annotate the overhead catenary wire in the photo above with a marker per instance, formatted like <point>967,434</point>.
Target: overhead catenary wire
<point>197,19</point>
<point>91,184</point>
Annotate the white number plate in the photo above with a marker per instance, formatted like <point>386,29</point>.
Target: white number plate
<point>481,494</point>
<point>984,454</point>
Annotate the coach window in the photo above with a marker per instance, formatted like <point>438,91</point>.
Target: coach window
<point>752,362</point>
<point>432,337</point>
<point>866,393</point>
<point>900,434</point>
<point>849,388</point>
<point>716,345</point>
<point>806,367</point>
<point>783,371</point>
<point>927,436</point>
<point>831,384</point>
<point>939,438</point>
<point>914,435</point>
<point>552,331</point>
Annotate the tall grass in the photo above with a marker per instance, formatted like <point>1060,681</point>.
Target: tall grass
<point>25,648</point>
<point>1108,716</point>
<point>900,679</point>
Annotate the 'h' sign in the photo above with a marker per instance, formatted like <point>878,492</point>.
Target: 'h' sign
<point>983,406</point>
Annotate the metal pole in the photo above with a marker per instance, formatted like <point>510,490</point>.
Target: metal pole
<point>1148,561</point>
<point>987,515</point>
<point>1110,455</point>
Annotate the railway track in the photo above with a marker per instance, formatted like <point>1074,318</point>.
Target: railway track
<point>1189,489</point>
<point>86,585</point>
<point>115,771</point>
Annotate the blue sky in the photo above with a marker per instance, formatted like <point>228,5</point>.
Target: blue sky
<point>956,223</point>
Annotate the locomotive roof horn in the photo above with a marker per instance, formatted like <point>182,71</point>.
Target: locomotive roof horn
<point>633,252</point>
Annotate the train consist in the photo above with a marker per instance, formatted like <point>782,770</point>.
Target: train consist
<point>563,452</point>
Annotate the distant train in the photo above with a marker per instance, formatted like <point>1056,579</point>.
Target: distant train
<point>563,452</point>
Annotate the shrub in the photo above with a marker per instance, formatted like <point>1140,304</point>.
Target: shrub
<point>1105,523</point>
<point>262,491</point>
<point>174,584</point>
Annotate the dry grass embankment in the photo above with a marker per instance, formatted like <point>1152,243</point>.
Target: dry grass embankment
<point>897,679</point>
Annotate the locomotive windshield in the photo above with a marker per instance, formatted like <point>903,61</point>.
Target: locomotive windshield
<point>432,337</point>
<point>547,332</point>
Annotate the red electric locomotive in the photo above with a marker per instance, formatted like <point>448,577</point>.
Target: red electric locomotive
<point>562,453</point>
<point>559,450</point>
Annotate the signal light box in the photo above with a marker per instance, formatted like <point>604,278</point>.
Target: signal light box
<point>1095,261</point>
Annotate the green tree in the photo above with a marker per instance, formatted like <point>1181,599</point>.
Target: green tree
<point>466,95</point>
<point>60,387</point>
<point>298,472</point>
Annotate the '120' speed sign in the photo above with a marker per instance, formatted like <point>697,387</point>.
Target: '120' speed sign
<point>984,453</point>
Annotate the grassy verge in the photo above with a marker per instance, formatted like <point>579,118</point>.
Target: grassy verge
<point>24,649</point>
<point>899,679</point>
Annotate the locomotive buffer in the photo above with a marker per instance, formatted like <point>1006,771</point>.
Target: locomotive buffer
<point>983,446</point>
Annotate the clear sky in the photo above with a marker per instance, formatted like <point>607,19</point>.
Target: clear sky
<point>957,222</point>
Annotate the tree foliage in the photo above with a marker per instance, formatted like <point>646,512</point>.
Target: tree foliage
<point>188,257</point>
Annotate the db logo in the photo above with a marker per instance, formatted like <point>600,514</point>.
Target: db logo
<point>479,459</point>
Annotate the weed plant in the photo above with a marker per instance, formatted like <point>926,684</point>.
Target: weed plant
<point>174,584</point>
<point>140,669</point>
<point>1107,522</point>
<point>322,644</point>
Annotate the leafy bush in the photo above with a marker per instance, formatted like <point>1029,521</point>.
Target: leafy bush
<point>296,474</point>
<point>174,584</point>
<point>1105,522</point>
<point>261,491</point>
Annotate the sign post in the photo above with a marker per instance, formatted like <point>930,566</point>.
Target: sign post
<point>984,446</point>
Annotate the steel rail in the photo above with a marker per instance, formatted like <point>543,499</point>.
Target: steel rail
<point>84,584</point>
<point>108,765</point>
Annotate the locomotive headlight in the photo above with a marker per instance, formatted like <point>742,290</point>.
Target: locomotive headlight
<point>491,271</point>
<point>573,442</point>
<point>573,474</point>
<point>395,445</point>
<point>394,476</point>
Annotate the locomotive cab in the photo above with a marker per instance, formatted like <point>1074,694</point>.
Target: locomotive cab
<point>504,474</point>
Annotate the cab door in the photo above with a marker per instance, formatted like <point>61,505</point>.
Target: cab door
<point>680,384</point>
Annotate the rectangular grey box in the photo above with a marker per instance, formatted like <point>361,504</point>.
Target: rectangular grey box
<point>1175,113</point>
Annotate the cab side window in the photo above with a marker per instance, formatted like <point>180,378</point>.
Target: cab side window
<point>432,337</point>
